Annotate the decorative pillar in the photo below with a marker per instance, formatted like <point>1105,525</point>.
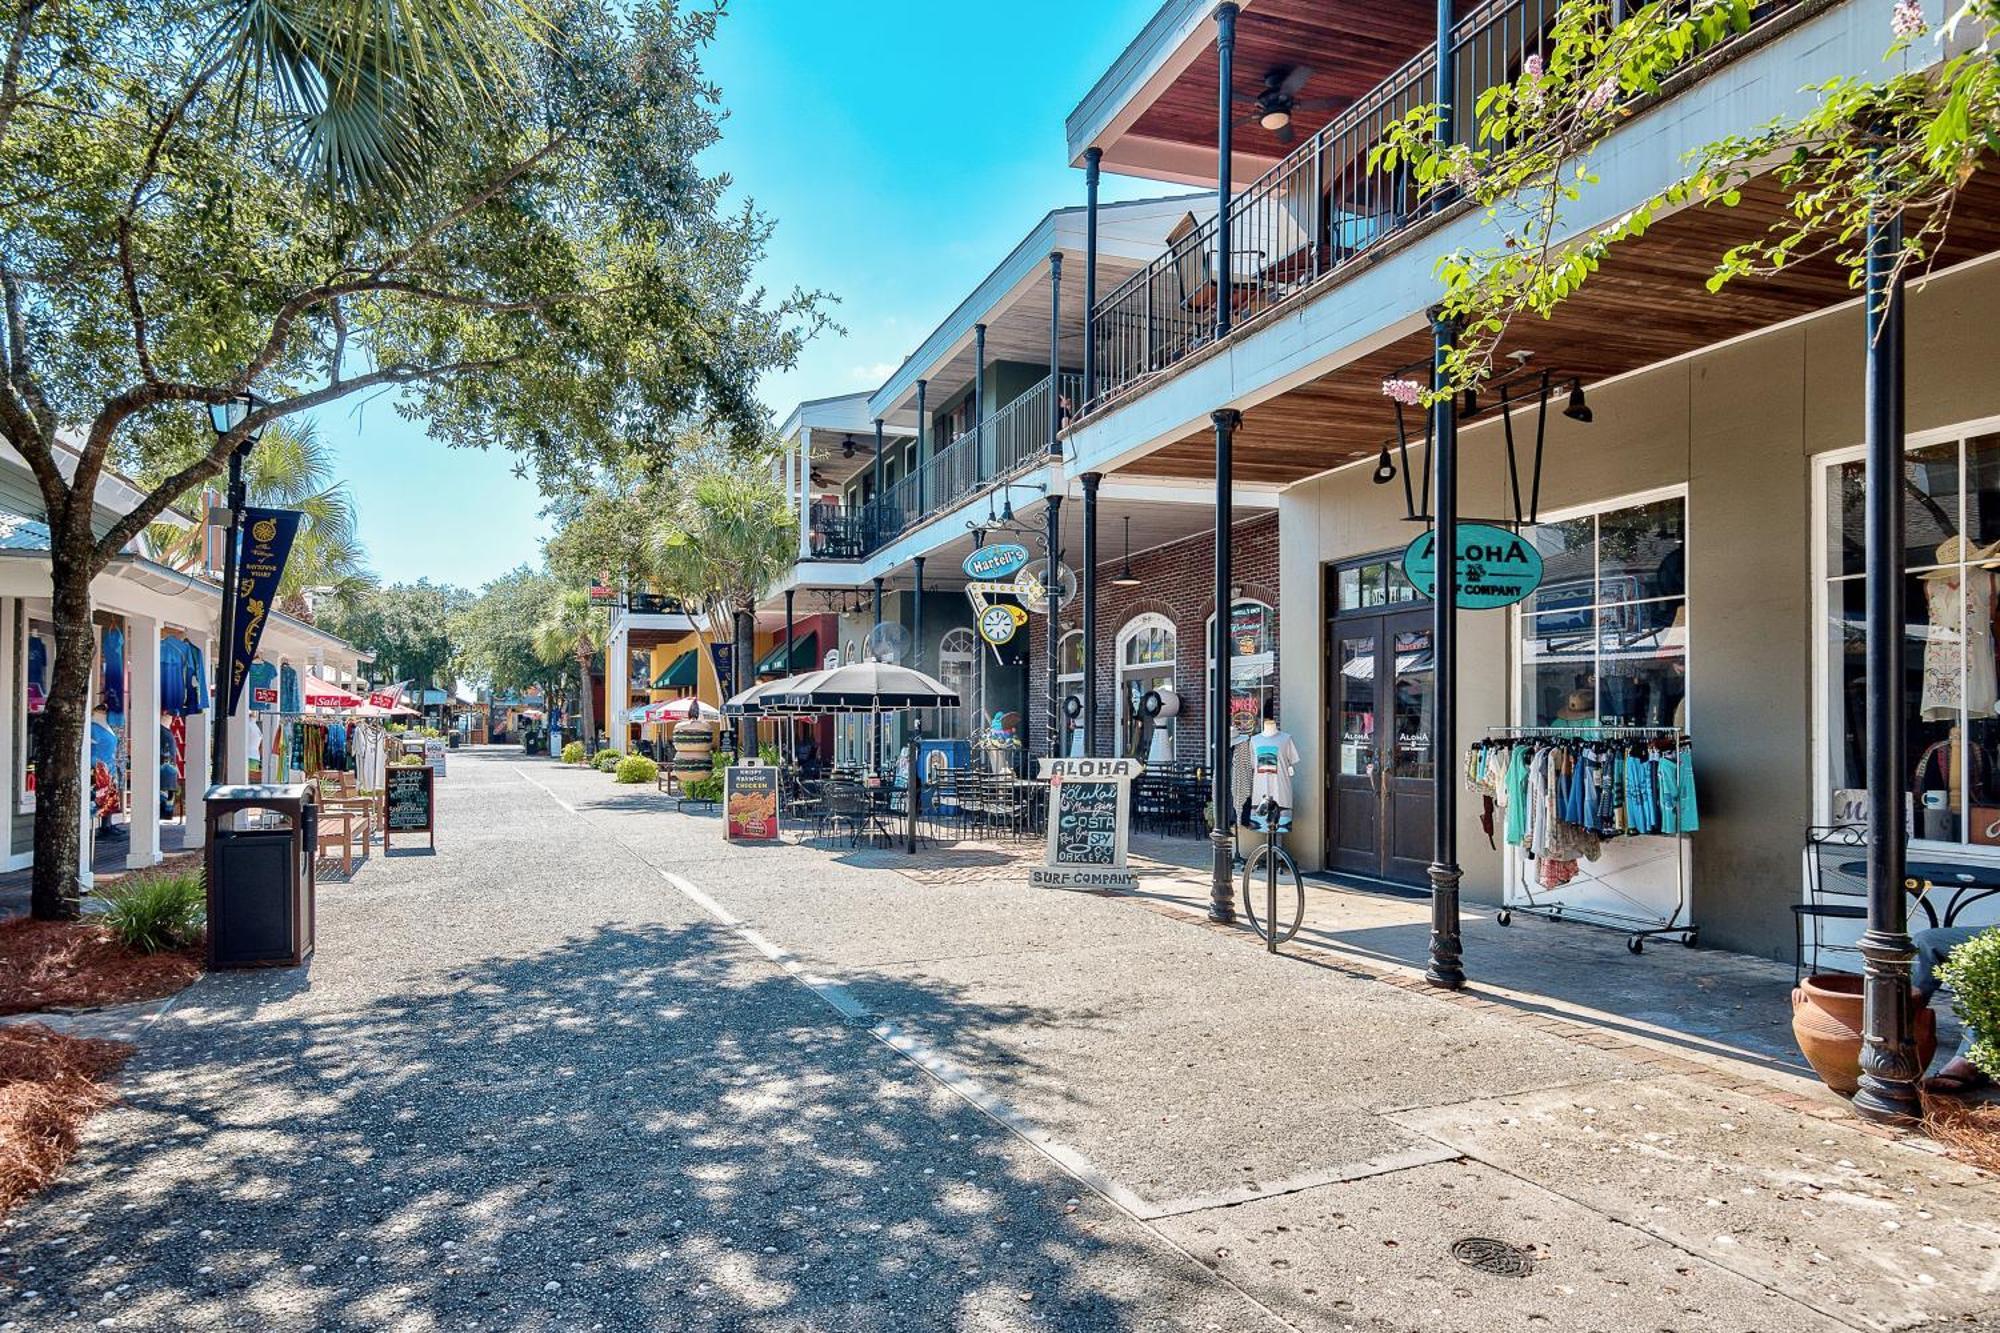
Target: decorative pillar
<point>1222,831</point>
<point>923,433</point>
<point>1889,1069</point>
<point>876,718</point>
<point>1225,147</point>
<point>1055,356</point>
<point>805,494</point>
<point>1090,483</point>
<point>979,396</point>
<point>1446,951</point>
<point>1051,585</point>
<point>1093,167</point>
<point>142,710</point>
<point>789,727</point>
<point>917,619</point>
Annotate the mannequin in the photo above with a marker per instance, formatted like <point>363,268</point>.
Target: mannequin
<point>1275,758</point>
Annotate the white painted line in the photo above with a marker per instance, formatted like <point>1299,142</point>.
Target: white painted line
<point>1427,1154</point>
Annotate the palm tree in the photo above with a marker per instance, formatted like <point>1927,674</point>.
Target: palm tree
<point>572,628</point>
<point>292,468</point>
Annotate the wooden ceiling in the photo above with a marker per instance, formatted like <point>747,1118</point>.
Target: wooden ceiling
<point>1650,303</point>
<point>1351,45</point>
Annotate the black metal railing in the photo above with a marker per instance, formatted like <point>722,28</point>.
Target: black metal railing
<point>1318,209</point>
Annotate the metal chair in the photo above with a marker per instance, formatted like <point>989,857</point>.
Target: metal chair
<point>1832,894</point>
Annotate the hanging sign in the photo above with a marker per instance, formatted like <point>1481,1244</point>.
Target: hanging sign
<point>1090,821</point>
<point>999,623</point>
<point>1495,567</point>
<point>725,665</point>
<point>750,802</point>
<point>996,562</point>
<point>267,544</point>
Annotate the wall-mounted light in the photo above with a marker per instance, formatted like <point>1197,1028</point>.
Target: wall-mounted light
<point>1578,409</point>
<point>1385,468</point>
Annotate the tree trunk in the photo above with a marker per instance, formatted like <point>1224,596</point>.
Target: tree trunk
<point>585,708</point>
<point>60,779</point>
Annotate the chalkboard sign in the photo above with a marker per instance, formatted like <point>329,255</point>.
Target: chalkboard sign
<point>1086,823</point>
<point>409,801</point>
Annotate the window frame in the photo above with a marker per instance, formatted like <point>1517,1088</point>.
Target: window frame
<point>1213,644</point>
<point>1130,630</point>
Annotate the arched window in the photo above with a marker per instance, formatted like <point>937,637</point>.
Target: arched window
<point>1069,683</point>
<point>958,667</point>
<point>1147,647</point>
<point>1253,662</point>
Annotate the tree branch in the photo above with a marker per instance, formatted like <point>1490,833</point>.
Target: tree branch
<point>10,73</point>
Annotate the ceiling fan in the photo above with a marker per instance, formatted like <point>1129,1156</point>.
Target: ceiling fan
<point>1280,98</point>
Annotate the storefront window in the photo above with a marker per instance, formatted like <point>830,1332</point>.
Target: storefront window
<point>1146,652</point>
<point>1377,584</point>
<point>1604,641</point>
<point>958,667</point>
<point>1951,704</point>
<point>1069,685</point>
<point>1253,663</point>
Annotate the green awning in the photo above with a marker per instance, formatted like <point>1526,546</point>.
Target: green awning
<point>680,673</point>
<point>805,656</point>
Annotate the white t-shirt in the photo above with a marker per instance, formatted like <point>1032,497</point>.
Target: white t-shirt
<point>1274,758</point>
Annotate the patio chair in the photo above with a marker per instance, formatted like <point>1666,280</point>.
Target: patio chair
<point>1832,893</point>
<point>849,804</point>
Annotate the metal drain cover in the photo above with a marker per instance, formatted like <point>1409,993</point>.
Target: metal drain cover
<point>1493,1256</point>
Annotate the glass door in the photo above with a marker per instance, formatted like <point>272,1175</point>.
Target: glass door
<point>1380,782</point>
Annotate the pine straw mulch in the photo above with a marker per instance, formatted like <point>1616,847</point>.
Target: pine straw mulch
<point>49,1085</point>
<point>1968,1129</point>
<point>78,965</point>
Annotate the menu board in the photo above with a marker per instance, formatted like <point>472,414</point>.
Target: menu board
<point>750,803</point>
<point>1086,823</point>
<point>409,801</point>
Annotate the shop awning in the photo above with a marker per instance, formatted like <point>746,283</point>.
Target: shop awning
<point>680,673</point>
<point>805,656</point>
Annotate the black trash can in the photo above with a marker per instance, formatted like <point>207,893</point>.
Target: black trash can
<point>260,878</point>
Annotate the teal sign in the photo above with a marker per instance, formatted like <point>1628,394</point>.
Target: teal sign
<point>989,563</point>
<point>1495,567</point>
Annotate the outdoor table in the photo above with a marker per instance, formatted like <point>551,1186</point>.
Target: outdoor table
<point>1969,883</point>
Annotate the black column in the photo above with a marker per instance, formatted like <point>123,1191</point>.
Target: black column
<point>1445,968</point>
<point>1889,1069</point>
<point>745,673</point>
<point>1222,833</point>
<point>225,633</point>
<point>874,505</point>
<point>1445,90</point>
<point>1225,147</point>
<point>791,729</point>
<point>876,718</point>
<point>1055,623</point>
<point>1055,354</point>
<point>979,396</point>
<point>923,433</point>
<point>1093,167</point>
<point>917,618</point>
<point>1090,483</point>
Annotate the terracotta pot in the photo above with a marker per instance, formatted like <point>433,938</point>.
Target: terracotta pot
<point>1826,1023</point>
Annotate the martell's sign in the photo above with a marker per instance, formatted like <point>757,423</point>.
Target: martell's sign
<point>992,563</point>
<point>1495,567</point>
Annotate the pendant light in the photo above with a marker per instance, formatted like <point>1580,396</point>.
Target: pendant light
<point>1126,578</point>
<point>1579,407</point>
<point>1385,468</point>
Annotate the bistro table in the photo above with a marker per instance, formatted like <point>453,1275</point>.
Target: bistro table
<point>1967,884</point>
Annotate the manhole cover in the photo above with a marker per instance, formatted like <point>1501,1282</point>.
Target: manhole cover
<point>1493,1256</point>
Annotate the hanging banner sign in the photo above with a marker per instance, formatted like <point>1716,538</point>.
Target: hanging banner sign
<point>996,562</point>
<point>267,544</point>
<point>725,665</point>
<point>1495,567</point>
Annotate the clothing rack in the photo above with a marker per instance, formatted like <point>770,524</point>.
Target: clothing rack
<point>1642,923</point>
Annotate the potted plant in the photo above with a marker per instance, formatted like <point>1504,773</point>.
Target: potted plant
<point>1826,1023</point>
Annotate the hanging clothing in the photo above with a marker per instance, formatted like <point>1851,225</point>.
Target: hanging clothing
<point>1960,604</point>
<point>111,682</point>
<point>263,676</point>
<point>289,697</point>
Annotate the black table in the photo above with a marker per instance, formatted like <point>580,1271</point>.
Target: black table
<point>1967,883</point>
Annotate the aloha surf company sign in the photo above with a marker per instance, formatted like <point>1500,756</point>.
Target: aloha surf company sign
<point>1495,567</point>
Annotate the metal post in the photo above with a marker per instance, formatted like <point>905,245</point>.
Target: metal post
<point>1225,66</point>
<point>1889,1069</point>
<point>1222,831</point>
<point>1447,951</point>
<point>1090,484</point>
<point>1093,167</point>
<point>874,506</point>
<point>1055,624</point>
<point>225,656</point>
<point>745,673</point>
<point>1445,91</point>
<point>922,434</point>
<point>877,715</point>
<point>1055,355</point>
<point>791,728</point>
<point>979,397</point>
<point>917,616</point>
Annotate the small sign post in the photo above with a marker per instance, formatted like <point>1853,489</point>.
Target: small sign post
<point>409,802</point>
<point>1090,823</point>
<point>750,802</point>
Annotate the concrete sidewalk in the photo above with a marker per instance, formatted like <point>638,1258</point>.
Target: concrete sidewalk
<point>1320,1128</point>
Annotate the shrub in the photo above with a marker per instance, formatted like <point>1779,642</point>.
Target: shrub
<point>410,761</point>
<point>1973,973</point>
<point>708,788</point>
<point>156,912</point>
<point>769,754</point>
<point>606,760</point>
<point>573,753</point>
<point>636,768</point>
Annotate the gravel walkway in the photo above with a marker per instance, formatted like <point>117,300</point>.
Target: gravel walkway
<point>528,1085</point>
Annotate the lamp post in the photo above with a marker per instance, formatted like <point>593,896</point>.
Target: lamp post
<point>226,417</point>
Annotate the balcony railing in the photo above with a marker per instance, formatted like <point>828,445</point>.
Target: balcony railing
<point>1316,211</point>
<point>1013,437</point>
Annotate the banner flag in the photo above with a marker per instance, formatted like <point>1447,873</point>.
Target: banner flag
<point>267,544</point>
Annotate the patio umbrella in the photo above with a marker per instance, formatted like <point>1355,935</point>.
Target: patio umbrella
<point>681,710</point>
<point>752,702</point>
<point>859,687</point>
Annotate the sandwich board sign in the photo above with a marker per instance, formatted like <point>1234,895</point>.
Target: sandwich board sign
<point>750,802</point>
<point>409,802</point>
<point>1090,824</point>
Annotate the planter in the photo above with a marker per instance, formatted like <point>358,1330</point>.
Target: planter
<point>1826,1023</point>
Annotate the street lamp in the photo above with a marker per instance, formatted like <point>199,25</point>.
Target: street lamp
<point>226,417</point>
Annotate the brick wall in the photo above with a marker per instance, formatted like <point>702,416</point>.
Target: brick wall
<point>1177,582</point>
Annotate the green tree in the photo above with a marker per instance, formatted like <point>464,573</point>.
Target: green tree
<point>408,628</point>
<point>572,629</point>
<point>1906,143</point>
<point>497,210</point>
<point>726,533</point>
<point>493,636</point>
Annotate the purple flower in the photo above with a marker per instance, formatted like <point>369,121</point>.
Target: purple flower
<point>1531,81</point>
<point>1602,96</point>
<point>1908,20</point>
<point>1407,392</point>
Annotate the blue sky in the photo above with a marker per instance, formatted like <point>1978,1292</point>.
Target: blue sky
<point>903,146</point>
